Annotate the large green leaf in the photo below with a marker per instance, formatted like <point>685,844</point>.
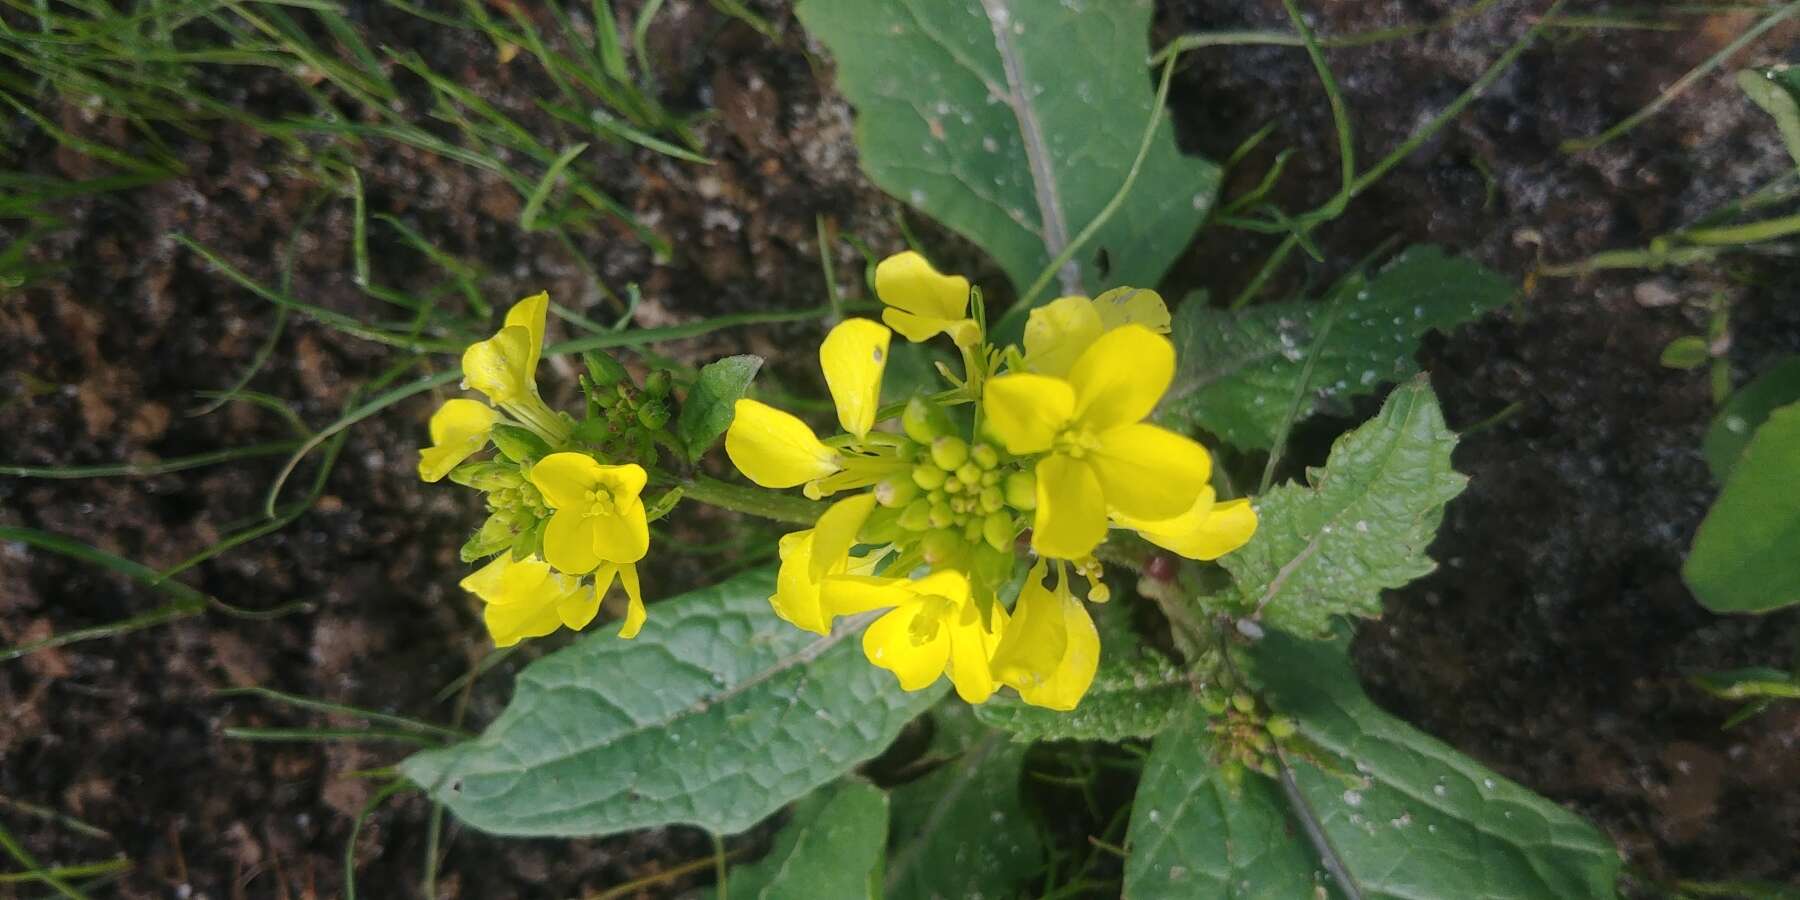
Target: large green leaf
<point>1745,411</point>
<point>1360,526</point>
<point>962,831</point>
<point>716,715</point>
<point>710,404</point>
<point>1013,123</point>
<point>1135,693</point>
<point>833,847</point>
<point>1240,371</point>
<point>1746,557</point>
<point>1414,819</point>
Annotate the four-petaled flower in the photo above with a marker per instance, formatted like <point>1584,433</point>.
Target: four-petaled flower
<point>1099,457</point>
<point>599,523</point>
<point>1051,649</point>
<point>932,628</point>
<point>459,429</point>
<point>526,599</point>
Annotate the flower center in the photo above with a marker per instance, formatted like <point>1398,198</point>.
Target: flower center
<point>929,618</point>
<point>599,502</point>
<point>1077,442</point>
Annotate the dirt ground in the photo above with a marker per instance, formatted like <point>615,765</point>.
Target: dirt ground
<point>1551,645</point>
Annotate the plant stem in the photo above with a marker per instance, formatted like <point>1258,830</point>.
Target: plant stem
<point>751,500</point>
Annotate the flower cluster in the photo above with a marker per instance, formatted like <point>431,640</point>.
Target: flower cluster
<point>1048,439</point>
<point>566,516</point>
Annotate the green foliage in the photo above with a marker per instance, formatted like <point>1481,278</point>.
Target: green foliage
<point>1777,91</point>
<point>1241,372</point>
<point>1361,525</point>
<point>1403,815</point>
<point>833,847</point>
<point>962,831</point>
<point>1134,695</point>
<point>707,410</point>
<point>1685,353</point>
<point>1746,411</point>
<point>716,715</point>
<point>1746,557</point>
<point>1014,124</point>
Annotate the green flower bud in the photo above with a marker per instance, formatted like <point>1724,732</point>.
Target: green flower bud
<point>595,431</point>
<point>953,485</point>
<point>1280,727</point>
<point>969,473</point>
<point>1244,703</point>
<point>494,535</point>
<point>990,478</point>
<point>928,476</point>
<point>997,529</point>
<point>519,444</point>
<point>917,516</point>
<point>603,369</point>
<point>653,415</point>
<point>882,527</point>
<point>896,491</point>
<point>992,498</point>
<point>1021,491</point>
<point>1213,701</point>
<point>923,420</point>
<point>941,516</point>
<point>941,547</point>
<point>657,383</point>
<point>486,476</point>
<point>949,452</point>
<point>985,455</point>
<point>529,540</point>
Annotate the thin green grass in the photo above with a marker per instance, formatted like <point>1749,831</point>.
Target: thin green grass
<point>34,870</point>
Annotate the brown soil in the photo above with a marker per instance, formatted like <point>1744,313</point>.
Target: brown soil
<point>1551,644</point>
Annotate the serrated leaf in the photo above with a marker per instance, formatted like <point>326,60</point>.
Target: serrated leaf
<point>1746,556</point>
<point>962,830</point>
<point>832,847</point>
<point>716,715</point>
<point>1135,693</point>
<point>1360,526</point>
<point>1014,123</point>
<point>707,410</point>
<point>1239,370</point>
<point>1745,411</point>
<point>1421,820</point>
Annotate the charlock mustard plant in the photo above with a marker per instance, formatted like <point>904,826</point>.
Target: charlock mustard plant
<point>1049,438</point>
<point>566,515</point>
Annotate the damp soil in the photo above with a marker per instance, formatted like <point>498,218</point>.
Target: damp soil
<point>1552,643</point>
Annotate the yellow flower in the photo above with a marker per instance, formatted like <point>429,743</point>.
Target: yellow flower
<point>1099,456</point>
<point>1058,332</point>
<point>933,628</point>
<point>599,515</point>
<point>774,448</point>
<point>809,557</point>
<point>1051,649</point>
<point>458,429</point>
<point>923,302</point>
<point>854,356</point>
<point>504,367</point>
<point>526,599</point>
<point>1208,530</point>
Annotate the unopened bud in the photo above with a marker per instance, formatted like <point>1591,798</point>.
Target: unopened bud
<point>923,420</point>
<point>928,476</point>
<point>486,476</point>
<point>949,452</point>
<point>896,491</point>
<point>985,455</point>
<point>941,515</point>
<point>1244,703</point>
<point>992,499</point>
<point>519,444</point>
<point>997,529</point>
<point>653,415</point>
<point>1021,491</point>
<point>657,383</point>
<point>941,547</point>
<point>1280,727</point>
<point>603,369</point>
<point>969,473</point>
<point>917,516</point>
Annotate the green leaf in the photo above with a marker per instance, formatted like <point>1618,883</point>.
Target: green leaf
<point>1749,684</point>
<point>833,847</point>
<point>1746,410</point>
<point>1777,91</point>
<point>962,829</point>
<point>1417,819</point>
<point>1134,695</point>
<point>1239,371</point>
<point>1746,557</point>
<point>1685,353</point>
<point>716,715</point>
<point>710,405</point>
<point>1014,123</point>
<point>1360,526</point>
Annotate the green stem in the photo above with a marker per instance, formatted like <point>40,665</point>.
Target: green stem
<point>752,500</point>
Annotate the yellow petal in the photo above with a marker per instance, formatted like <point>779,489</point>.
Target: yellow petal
<point>917,328</point>
<point>1121,377</point>
<point>500,366</point>
<point>459,429</point>
<point>847,595</point>
<point>1128,306</point>
<point>1148,472</point>
<point>566,478</point>
<point>835,533</point>
<point>970,648</point>
<point>1057,332</point>
<point>908,281</point>
<point>529,314</point>
<point>775,449</point>
<point>623,537</point>
<point>485,582</point>
<point>1069,682</point>
<point>1025,412</point>
<point>578,607</point>
<point>853,356</point>
<point>1035,638</point>
<point>510,623</point>
<point>634,602</point>
<point>625,482</point>
<point>889,644</point>
<point>1071,510</point>
<point>947,583</point>
<point>569,542</point>
<point>797,593</point>
<point>1224,527</point>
